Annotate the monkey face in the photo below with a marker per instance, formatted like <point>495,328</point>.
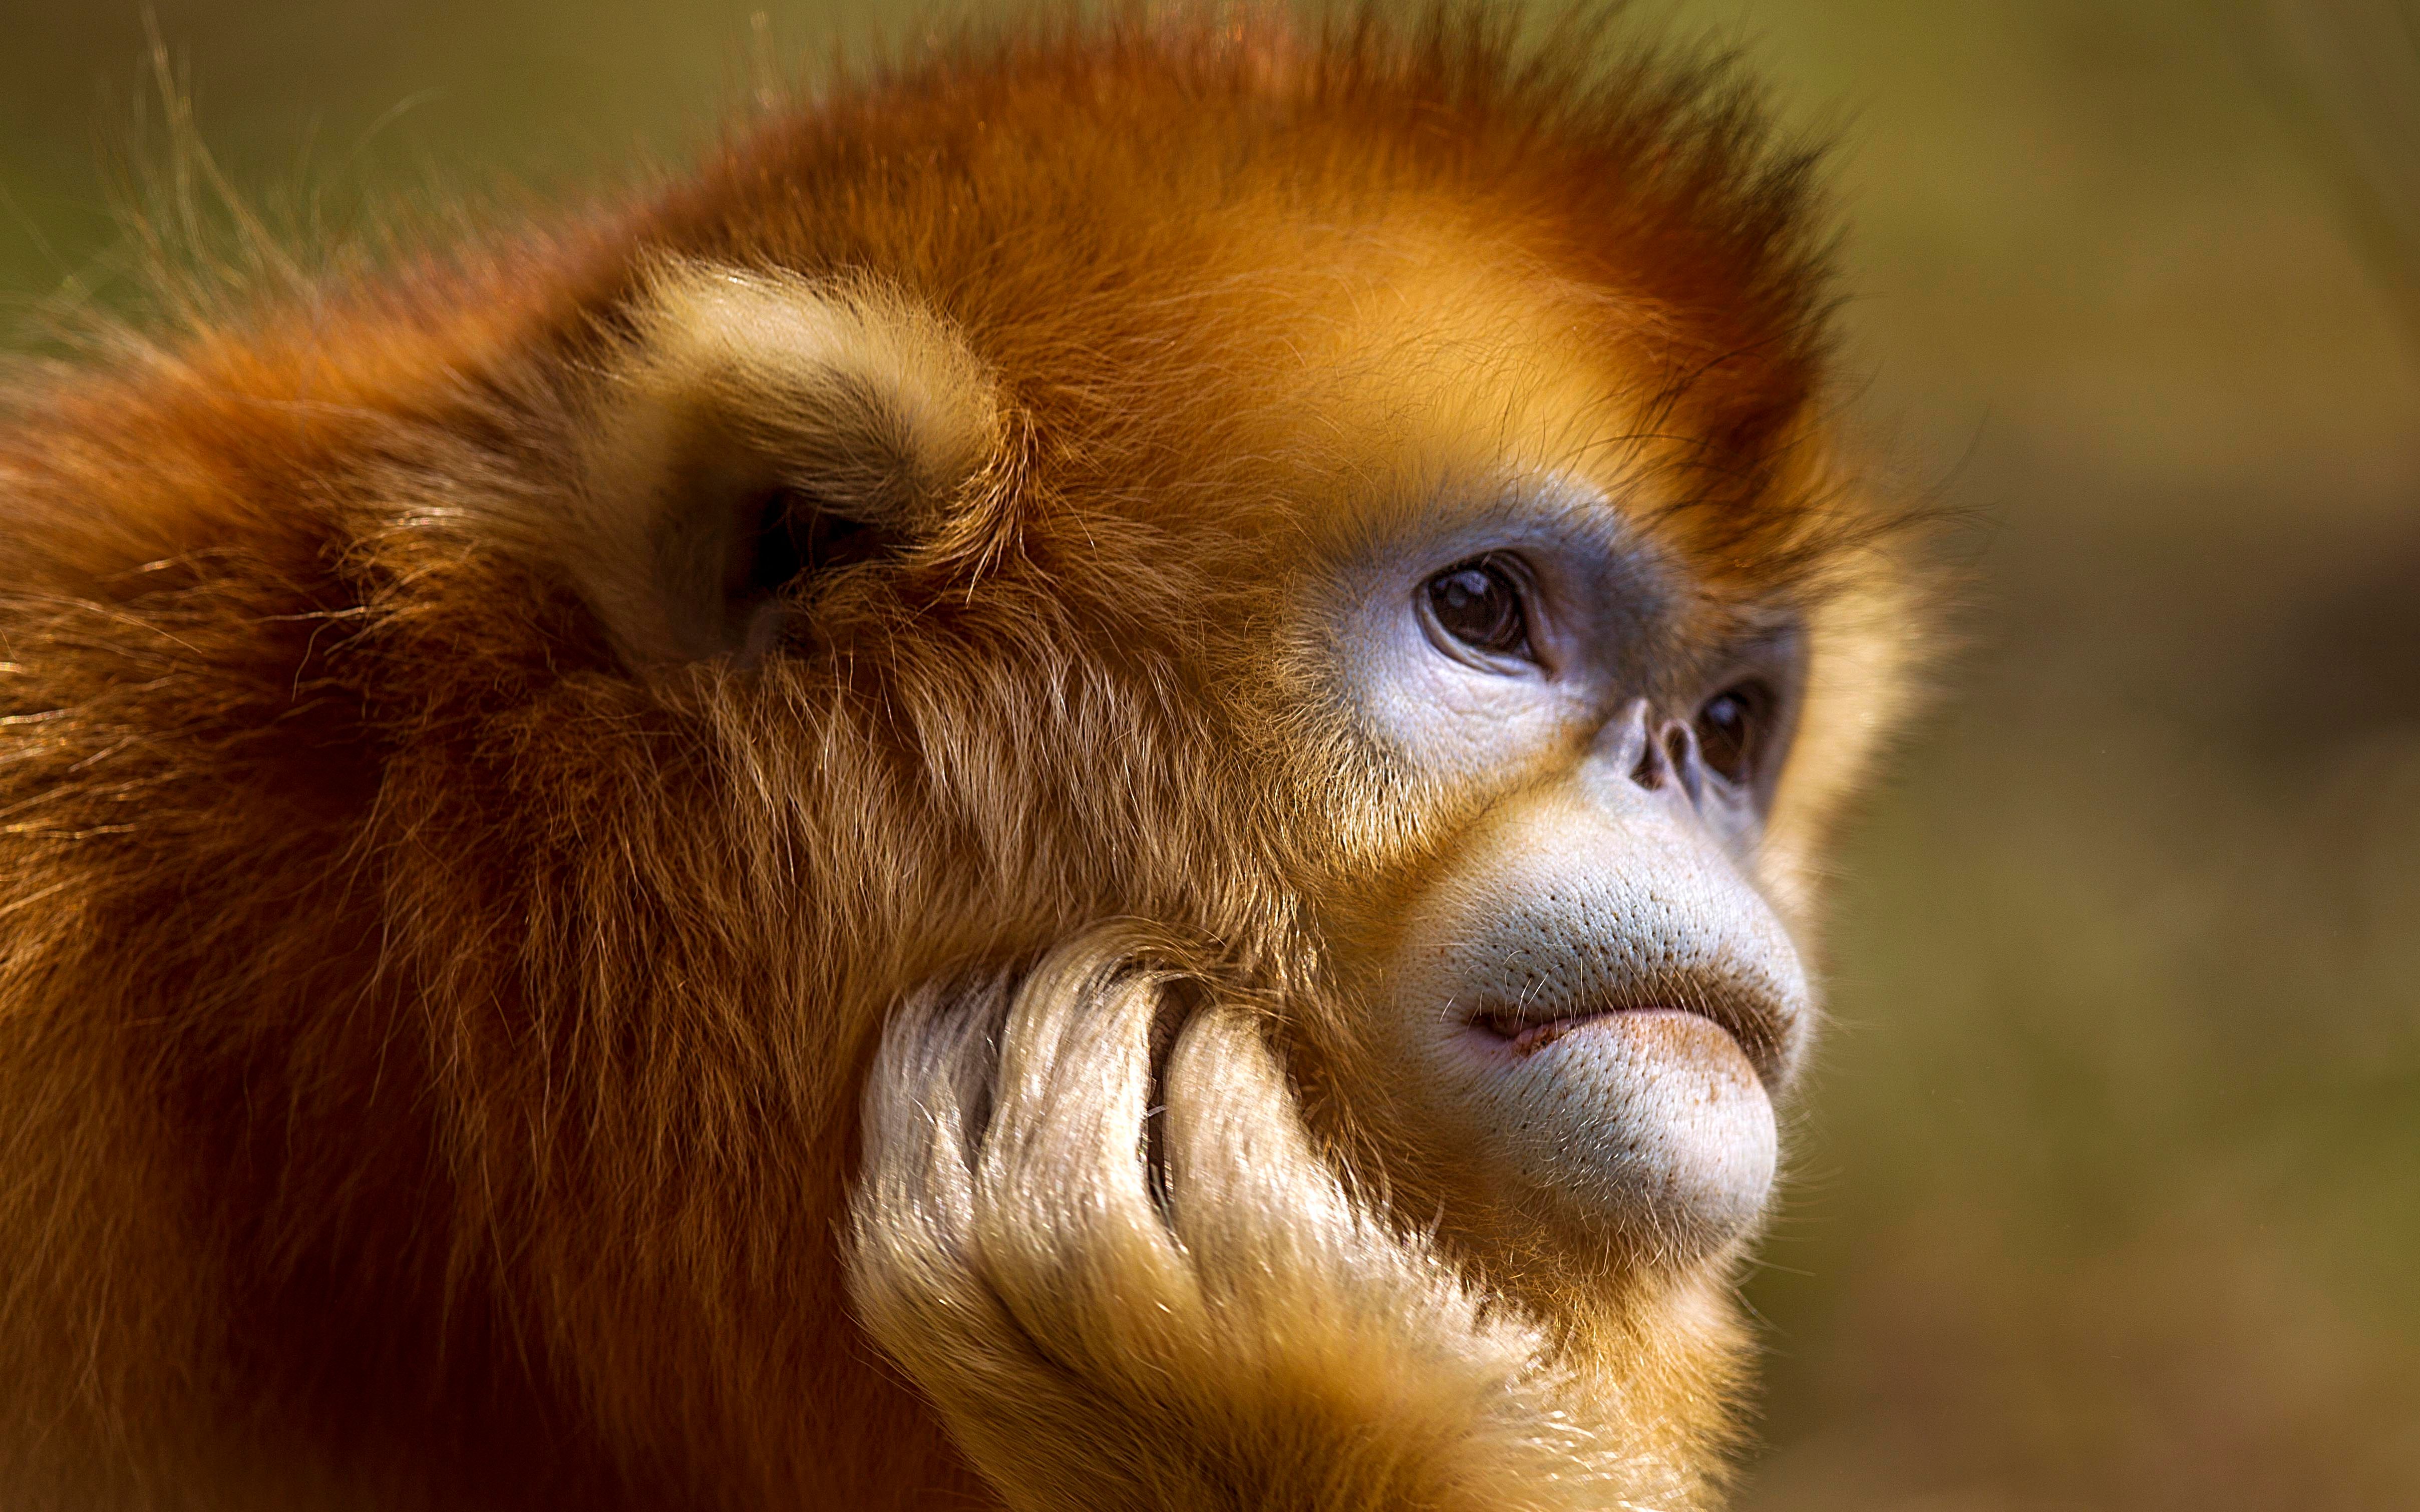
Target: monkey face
<point>1584,1004</point>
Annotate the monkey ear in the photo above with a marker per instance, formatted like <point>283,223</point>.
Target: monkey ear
<point>753,431</point>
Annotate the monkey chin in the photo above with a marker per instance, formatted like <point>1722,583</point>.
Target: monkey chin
<point>1645,1129</point>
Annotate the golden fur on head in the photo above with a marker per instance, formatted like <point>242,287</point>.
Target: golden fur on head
<point>449,920</point>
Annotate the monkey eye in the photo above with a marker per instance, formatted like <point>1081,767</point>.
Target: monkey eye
<point>1732,730</point>
<point>1478,604</point>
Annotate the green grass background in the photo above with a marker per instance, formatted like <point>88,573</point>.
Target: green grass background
<point>2109,1183</point>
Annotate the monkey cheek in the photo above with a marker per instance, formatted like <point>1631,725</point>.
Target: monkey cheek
<point>1647,1131</point>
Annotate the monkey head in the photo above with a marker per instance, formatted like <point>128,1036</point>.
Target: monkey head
<point>1458,632</point>
<point>1518,731</point>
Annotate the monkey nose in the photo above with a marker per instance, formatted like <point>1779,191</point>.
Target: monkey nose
<point>1658,755</point>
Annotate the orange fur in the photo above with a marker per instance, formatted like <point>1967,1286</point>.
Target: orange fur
<point>433,1014</point>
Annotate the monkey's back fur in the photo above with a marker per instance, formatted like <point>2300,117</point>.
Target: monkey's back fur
<point>434,996</point>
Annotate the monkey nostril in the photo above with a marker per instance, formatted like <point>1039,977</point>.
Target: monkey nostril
<point>1680,746</point>
<point>1670,755</point>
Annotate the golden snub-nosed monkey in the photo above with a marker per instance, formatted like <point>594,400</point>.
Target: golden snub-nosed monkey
<point>1089,781</point>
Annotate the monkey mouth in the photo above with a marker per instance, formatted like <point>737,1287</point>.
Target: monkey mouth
<point>1758,1026</point>
<point>1526,1036</point>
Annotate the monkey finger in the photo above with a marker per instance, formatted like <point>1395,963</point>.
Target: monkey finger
<point>928,1097</point>
<point>1237,1152</point>
<point>1070,1235</point>
<point>912,1277</point>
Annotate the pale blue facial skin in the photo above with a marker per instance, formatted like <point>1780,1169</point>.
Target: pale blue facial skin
<point>1592,1006</point>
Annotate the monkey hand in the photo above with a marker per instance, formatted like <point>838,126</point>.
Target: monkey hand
<point>1241,1336</point>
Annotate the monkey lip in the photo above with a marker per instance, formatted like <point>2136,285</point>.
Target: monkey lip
<point>1756,1026</point>
<point>1525,1037</point>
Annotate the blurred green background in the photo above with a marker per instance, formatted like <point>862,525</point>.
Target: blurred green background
<point>2109,1187</point>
